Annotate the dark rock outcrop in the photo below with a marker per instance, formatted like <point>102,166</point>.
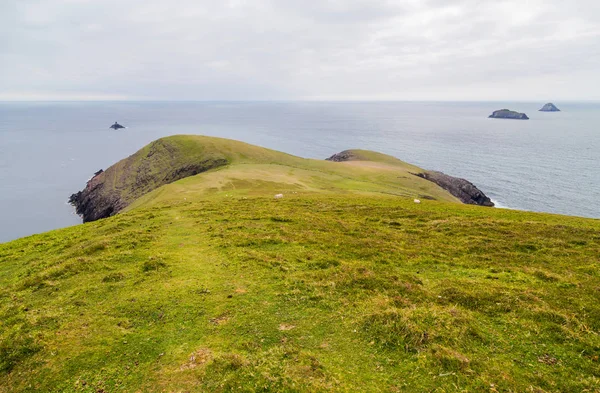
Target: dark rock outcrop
<point>508,114</point>
<point>91,204</point>
<point>463,189</point>
<point>549,107</point>
<point>162,162</point>
<point>116,126</point>
<point>346,155</point>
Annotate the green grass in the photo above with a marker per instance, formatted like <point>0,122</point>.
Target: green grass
<point>345,284</point>
<point>309,293</point>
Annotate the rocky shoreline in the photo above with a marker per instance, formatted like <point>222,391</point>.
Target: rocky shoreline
<point>90,204</point>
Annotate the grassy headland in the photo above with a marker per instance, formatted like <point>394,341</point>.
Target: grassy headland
<point>345,284</point>
<point>244,167</point>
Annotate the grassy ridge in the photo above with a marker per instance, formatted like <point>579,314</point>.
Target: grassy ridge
<point>207,285</point>
<point>177,157</point>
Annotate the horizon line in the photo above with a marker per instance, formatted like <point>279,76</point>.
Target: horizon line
<point>2,100</point>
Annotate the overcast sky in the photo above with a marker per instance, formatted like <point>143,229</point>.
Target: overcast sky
<point>300,49</point>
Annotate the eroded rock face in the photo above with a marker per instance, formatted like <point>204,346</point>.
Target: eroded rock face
<point>508,114</point>
<point>463,189</point>
<point>92,204</point>
<point>110,191</point>
<point>549,107</point>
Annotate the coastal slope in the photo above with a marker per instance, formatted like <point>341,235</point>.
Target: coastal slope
<point>462,189</point>
<point>309,293</point>
<point>226,164</point>
<point>210,284</point>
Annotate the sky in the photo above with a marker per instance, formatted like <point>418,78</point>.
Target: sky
<point>300,50</point>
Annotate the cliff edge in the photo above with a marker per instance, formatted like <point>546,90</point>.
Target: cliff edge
<point>161,162</point>
<point>462,189</point>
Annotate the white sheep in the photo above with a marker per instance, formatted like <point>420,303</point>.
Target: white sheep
<point>417,201</point>
<point>278,196</point>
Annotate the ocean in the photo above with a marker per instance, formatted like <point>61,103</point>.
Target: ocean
<point>550,163</point>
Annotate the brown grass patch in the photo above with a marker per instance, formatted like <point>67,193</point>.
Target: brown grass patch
<point>198,358</point>
<point>221,320</point>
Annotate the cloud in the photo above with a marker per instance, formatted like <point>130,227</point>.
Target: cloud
<point>285,49</point>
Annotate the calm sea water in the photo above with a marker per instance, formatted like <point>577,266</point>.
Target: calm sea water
<point>550,163</point>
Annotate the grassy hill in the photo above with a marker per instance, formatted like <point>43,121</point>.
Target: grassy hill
<point>345,284</point>
<point>243,167</point>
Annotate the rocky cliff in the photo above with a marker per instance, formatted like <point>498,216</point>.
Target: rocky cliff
<point>162,162</point>
<point>463,189</point>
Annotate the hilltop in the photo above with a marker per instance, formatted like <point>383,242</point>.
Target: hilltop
<point>208,283</point>
<point>246,169</point>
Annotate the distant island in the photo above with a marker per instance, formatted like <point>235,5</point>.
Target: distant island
<point>116,126</point>
<point>549,107</point>
<point>508,114</point>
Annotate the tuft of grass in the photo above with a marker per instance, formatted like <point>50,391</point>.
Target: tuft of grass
<point>114,277</point>
<point>16,349</point>
<point>153,264</point>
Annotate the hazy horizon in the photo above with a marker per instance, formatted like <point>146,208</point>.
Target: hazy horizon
<point>269,50</point>
<point>133,100</point>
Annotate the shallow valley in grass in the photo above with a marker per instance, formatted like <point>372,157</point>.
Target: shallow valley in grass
<point>345,284</point>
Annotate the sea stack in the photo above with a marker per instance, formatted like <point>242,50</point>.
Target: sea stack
<point>508,114</point>
<point>549,107</point>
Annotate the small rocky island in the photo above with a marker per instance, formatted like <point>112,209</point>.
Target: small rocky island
<point>549,107</point>
<point>508,114</point>
<point>116,126</point>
